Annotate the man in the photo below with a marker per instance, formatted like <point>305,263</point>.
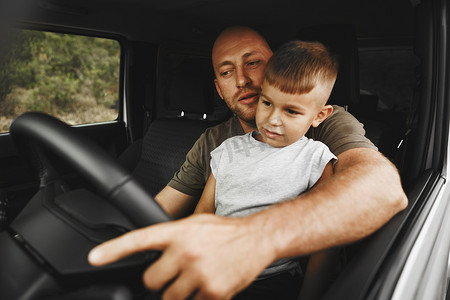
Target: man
<point>215,257</point>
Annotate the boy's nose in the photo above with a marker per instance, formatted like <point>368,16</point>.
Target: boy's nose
<point>275,120</point>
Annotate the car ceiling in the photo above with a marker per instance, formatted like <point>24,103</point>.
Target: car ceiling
<point>201,20</point>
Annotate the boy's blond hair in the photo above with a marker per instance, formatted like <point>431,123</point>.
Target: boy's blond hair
<point>298,66</point>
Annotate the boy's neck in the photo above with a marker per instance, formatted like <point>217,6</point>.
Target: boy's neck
<point>248,126</point>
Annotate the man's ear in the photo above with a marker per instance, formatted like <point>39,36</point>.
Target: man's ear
<point>322,115</point>
<point>218,88</point>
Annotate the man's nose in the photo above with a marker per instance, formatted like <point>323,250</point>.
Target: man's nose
<point>242,78</point>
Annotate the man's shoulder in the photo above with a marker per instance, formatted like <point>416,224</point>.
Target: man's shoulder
<point>223,131</point>
<point>341,131</point>
<point>340,118</point>
<point>219,128</point>
<point>341,112</point>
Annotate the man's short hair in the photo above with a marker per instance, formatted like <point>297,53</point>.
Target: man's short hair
<point>298,66</point>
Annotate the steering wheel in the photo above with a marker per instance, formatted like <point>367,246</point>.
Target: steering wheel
<point>33,131</point>
<point>44,251</point>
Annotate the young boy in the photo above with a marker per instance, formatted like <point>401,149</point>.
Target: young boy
<point>277,161</point>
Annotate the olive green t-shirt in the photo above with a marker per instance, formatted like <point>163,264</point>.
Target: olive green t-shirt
<point>340,132</point>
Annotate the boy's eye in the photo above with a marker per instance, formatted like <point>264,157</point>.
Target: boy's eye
<point>292,112</point>
<point>266,103</point>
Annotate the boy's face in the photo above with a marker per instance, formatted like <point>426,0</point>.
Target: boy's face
<point>283,119</point>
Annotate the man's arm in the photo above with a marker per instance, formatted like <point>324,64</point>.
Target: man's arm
<point>327,172</point>
<point>216,257</point>
<point>363,195</point>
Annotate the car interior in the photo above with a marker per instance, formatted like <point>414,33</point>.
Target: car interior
<point>51,203</point>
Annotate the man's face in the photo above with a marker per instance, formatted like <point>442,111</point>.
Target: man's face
<point>239,60</point>
<point>283,119</point>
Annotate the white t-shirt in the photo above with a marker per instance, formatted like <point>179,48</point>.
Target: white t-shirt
<point>252,175</point>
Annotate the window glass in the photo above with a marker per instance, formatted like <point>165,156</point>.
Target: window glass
<point>75,78</point>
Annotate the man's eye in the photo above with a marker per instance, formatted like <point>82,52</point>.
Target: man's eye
<point>225,73</point>
<point>253,63</point>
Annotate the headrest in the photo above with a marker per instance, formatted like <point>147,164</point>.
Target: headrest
<point>190,86</point>
<point>185,85</point>
<point>341,40</point>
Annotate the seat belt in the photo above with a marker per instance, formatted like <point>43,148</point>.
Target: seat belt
<point>411,124</point>
<point>149,99</point>
<point>3,209</point>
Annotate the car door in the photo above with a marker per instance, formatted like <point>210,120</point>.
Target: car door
<point>408,257</point>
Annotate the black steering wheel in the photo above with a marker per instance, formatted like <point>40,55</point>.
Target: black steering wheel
<point>33,131</point>
<point>44,250</point>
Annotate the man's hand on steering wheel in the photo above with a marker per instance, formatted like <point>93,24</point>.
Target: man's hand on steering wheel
<point>204,255</point>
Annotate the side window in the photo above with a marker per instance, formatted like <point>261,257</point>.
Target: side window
<point>75,78</point>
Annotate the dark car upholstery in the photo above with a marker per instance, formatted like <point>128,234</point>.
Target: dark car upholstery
<point>185,85</point>
<point>384,128</point>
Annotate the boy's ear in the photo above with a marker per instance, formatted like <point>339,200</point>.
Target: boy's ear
<point>322,115</point>
<point>218,88</point>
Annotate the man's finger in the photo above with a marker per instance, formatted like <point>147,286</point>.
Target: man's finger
<point>154,237</point>
<point>183,287</point>
<point>161,272</point>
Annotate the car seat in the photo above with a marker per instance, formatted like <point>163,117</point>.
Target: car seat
<point>188,104</point>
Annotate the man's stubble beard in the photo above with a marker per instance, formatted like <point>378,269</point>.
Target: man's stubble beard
<point>246,113</point>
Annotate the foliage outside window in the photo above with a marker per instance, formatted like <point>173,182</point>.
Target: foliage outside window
<point>74,78</point>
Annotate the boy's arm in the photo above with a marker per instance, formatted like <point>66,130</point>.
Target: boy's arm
<point>207,200</point>
<point>175,203</point>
